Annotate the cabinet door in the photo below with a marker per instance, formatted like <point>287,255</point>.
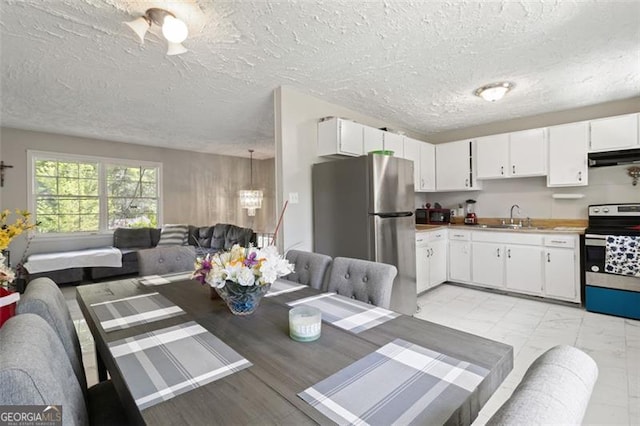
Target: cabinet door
<point>560,273</point>
<point>422,267</point>
<point>452,166</point>
<point>372,139</point>
<point>351,137</point>
<point>488,264</point>
<point>568,154</point>
<point>394,143</point>
<point>411,148</point>
<point>524,269</point>
<point>492,156</point>
<point>438,263</point>
<point>614,133</point>
<point>460,261</point>
<point>427,167</point>
<point>528,153</point>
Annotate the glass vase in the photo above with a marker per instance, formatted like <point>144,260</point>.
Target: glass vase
<point>242,300</point>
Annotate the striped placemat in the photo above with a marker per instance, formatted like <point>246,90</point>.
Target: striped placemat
<point>134,310</point>
<point>151,280</point>
<point>348,314</point>
<point>401,383</point>
<point>165,363</point>
<point>283,286</point>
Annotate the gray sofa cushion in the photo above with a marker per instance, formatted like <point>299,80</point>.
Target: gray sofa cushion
<point>219,236</point>
<point>132,238</point>
<point>172,235</point>
<point>166,260</point>
<point>555,390</point>
<point>237,235</point>
<point>200,236</point>
<point>34,369</point>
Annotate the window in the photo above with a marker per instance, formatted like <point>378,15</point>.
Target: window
<point>90,194</point>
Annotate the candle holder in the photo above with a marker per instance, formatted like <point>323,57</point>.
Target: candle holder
<point>305,323</point>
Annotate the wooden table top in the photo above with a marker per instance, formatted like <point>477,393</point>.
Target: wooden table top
<point>266,393</point>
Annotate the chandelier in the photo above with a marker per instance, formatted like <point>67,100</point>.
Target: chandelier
<point>250,199</point>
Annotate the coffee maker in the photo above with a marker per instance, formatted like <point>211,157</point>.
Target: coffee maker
<point>471,218</point>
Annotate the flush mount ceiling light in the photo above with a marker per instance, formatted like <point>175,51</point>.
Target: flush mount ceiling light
<point>250,199</point>
<point>173,29</point>
<point>494,91</point>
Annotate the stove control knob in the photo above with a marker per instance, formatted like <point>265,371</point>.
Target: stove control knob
<point>606,210</point>
<point>596,210</point>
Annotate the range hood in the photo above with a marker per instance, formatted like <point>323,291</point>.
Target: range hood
<point>614,158</point>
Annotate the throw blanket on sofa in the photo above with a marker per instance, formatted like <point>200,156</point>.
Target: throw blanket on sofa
<point>45,262</point>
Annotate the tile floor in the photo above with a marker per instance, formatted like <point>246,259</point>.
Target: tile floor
<point>531,327</point>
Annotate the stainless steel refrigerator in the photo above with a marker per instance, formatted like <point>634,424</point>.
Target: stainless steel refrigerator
<point>363,208</point>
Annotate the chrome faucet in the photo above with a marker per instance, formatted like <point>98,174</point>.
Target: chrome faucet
<point>511,213</point>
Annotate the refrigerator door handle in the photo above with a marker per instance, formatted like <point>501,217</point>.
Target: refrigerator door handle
<point>392,215</point>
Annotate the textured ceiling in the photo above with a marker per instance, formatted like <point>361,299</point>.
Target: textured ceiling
<point>71,66</point>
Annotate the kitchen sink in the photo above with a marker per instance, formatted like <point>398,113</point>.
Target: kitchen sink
<point>509,226</point>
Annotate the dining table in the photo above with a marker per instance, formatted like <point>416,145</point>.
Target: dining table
<point>269,377</point>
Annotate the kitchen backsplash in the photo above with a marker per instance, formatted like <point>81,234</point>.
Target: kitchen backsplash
<point>606,185</point>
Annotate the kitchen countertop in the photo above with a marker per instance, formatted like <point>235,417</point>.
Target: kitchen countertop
<point>523,230</point>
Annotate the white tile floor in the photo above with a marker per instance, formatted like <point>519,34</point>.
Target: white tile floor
<point>532,327</point>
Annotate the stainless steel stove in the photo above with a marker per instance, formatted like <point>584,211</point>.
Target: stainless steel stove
<point>612,260</point>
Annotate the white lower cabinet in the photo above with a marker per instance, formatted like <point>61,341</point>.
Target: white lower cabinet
<point>460,261</point>
<point>523,272</point>
<point>431,259</point>
<point>562,267</point>
<point>488,264</point>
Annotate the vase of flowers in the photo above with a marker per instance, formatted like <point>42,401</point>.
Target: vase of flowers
<point>241,276</point>
<point>8,231</point>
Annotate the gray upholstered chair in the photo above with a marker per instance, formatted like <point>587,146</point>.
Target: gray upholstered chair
<point>166,260</point>
<point>35,370</point>
<point>310,268</point>
<point>555,390</point>
<point>363,280</point>
<point>44,298</point>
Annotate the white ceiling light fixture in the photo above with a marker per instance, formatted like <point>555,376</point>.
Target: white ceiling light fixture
<point>494,91</point>
<point>250,199</point>
<point>173,29</point>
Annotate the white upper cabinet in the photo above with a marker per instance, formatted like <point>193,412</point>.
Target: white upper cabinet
<point>613,133</point>
<point>372,139</point>
<point>394,143</point>
<point>454,170</point>
<point>340,137</point>
<point>493,156</point>
<point>517,154</point>
<point>423,155</point>
<point>568,146</point>
<point>528,153</point>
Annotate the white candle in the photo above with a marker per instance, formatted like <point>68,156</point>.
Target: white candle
<point>305,323</point>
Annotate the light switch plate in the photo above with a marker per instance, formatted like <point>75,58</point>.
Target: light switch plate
<point>293,198</point>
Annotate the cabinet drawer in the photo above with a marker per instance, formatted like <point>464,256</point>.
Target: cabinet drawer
<point>455,234</point>
<point>422,239</point>
<point>507,238</point>
<point>560,241</point>
<point>438,235</point>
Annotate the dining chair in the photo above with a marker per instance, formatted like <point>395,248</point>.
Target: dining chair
<point>44,298</point>
<point>555,390</point>
<point>34,370</point>
<point>166,260</point>
<point>364,280</point>
<point>309,268</point>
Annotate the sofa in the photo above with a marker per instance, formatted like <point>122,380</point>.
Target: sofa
<point>205,239</point>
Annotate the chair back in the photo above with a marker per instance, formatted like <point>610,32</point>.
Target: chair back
<point>364,280</point>
<point>34,369</point>
<point>44,298</point>
<point>555,390</point>
<point>310,268</point>
<point>166,260</point>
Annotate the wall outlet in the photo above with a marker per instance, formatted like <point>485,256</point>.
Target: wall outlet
<point>293,198</point>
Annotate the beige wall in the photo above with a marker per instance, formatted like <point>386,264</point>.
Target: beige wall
<point>296,120</point>
<point>198,189</point>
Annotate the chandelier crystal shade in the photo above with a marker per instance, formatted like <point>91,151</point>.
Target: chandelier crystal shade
<point>250,199</point>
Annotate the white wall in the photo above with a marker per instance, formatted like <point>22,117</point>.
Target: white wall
<point>296,119</point>
<point>198,189</point>
<point>606,185</point>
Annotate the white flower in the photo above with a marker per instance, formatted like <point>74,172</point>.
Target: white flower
<point>245,277</point>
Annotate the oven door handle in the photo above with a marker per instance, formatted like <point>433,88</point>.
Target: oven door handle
<point>595,240</point>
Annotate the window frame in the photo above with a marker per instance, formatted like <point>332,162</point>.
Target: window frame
<point>103,162</point>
